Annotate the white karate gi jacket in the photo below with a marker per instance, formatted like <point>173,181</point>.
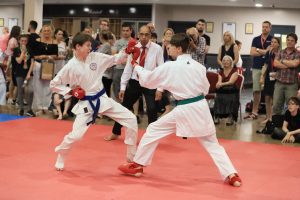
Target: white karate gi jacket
<point>185,78</point>
<point>87,75</point>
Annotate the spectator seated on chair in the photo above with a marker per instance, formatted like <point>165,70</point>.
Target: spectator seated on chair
<point>60,104</point>
<point>290,131</point>
<point>227,97</point>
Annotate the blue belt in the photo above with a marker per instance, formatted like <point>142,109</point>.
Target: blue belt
<point>94,107</point>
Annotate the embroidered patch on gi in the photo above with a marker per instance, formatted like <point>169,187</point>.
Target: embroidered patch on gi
<point>93,66</point>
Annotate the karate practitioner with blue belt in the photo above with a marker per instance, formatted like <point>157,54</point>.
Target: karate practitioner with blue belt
<point>83,73</point>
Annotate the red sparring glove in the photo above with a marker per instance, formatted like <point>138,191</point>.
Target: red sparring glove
<point>78,93</point>
<point>130,47</point>
<point>135,55</point>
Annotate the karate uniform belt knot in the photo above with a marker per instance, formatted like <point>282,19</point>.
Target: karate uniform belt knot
<point>94,107</point>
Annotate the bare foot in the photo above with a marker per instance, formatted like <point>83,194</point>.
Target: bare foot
<point>111,137</point>
<point>60,117</point>
<point>265,121</point>
<point>59,165</point>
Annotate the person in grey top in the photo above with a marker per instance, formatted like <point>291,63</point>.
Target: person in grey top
<point>107,41</point>
<point>118,69</point>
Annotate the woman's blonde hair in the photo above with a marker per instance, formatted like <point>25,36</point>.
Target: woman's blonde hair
<point>232,41</point>
<point>168,29</point>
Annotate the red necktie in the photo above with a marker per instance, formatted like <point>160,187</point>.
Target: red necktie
<point>143,57</point>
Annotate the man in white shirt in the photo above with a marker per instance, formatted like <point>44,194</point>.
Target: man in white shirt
<point>151,56</point>
<point>186,79</point>
<point>85,70</point>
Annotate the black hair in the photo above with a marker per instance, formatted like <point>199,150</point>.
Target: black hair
<point>201,20</point>
<point>267,22</point>
<point>125,24</point>
<point>154,35</point>
<point>80,39</point>
<point>15,32</point>
<point>57,30</point>
<point>180,40</point>
<point>277,39</point>
<point>33,24</point>
<point>293,35</point>
<point>295,100</point>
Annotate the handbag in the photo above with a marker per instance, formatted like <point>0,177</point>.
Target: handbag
<point>47,70</point>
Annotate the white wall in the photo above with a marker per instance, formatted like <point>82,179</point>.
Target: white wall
<point>14,11</point>
<point>227,14</point>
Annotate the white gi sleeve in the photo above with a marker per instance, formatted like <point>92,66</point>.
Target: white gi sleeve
<point>160,61</point>
<point>158,78</point>
<point>126,73</point>
<point>60,81</point>
<point>111,60</point>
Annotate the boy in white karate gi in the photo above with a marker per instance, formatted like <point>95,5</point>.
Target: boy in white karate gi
<point>85,70</point>
<point>186,80</point>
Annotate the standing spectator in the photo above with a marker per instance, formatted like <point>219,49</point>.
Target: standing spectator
<point>168,33</point>
<point>200,26</point>
<point>22,62</point>
<point>103,26</point>
<point>119,68</point>
<point>12,44</point>
<point>258,50</point>
<point>151,26</point>
<point>95,43</point>
<point>33,36</point>
<point>62,50</point>
<point>228,48</point>
<point>2,85</point>
<point>197,45</point>
<point>45,50</point>
<point>4,38</point>
<point>107,41</point>
<point>287,64</point>
<point>267,79</point>
<point>290,131</point>
<point>151,56</point>
<point>239,64</point>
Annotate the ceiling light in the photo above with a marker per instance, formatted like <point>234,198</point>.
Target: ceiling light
<point>86,9</point>
<point>132,10</point>
<point>258,5</point>
<point>111,11</point>
<point>71,12</point>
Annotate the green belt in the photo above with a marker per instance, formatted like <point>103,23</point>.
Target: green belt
<point>191,100</point>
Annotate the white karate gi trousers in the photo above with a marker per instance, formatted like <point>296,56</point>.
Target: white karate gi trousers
<point>165,126</point>
<point>118,113</point>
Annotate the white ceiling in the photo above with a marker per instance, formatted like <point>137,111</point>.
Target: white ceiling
<point>236,3</point>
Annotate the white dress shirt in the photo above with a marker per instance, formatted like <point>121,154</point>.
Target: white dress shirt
<point>154,58</point>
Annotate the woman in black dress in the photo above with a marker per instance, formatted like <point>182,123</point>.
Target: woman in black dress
<point>267,79</point>
<point>45,49</point>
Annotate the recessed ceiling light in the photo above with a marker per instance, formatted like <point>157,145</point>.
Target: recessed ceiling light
<point>258,5</point>
<point>132,10</point>
<point>72,12</point>
<point>111,11</point>
<point>86,9</point>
